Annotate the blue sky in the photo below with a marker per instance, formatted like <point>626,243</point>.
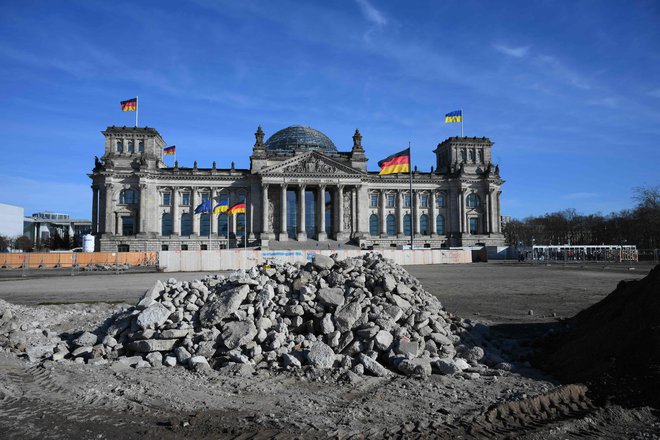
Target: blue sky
<point>568,91</point>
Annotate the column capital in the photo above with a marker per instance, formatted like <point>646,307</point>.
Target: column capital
<point>284,185</point>
<point>303,186</point>
<point>265,185</point>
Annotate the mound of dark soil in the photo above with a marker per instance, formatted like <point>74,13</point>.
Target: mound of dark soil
<point>614,345</point>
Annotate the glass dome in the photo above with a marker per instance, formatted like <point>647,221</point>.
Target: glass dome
<point>299,138</point>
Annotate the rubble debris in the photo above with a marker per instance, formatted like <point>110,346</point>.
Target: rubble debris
<point>364,314</point>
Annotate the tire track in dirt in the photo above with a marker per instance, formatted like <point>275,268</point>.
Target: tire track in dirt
<point>512,419</point>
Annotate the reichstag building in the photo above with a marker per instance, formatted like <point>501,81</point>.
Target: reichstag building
<point>298,188</point>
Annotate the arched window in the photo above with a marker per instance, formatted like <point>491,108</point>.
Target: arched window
<point>407,225</point>
<point>473,201</point>
<point>471,155</point>
<point>204,225</point>
<point>127,197</point>
<point>424,224</point>
<point>186,224</point>
<point>391,225</point>
<point>120,146</point>
<point>373,224</point>
<point>480,156</point>
<point>166,224</point>
<point>463,155</point>
<point>440,201</point>
<point>223,223</point>
<point>440,225</point>
<point>131,148</point>
<point>141,146</point>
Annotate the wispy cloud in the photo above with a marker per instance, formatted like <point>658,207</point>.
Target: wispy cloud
<point>561,71</point>
<point>579,195</point>
<point>608,101</point>
<point>371,13</point>
<point>515,52</point>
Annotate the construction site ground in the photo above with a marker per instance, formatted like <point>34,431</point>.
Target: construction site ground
<point>519,301</point>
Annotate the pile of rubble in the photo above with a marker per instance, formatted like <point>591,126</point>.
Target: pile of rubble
<point>364,315</point>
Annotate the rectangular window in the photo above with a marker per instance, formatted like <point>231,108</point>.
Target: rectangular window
<point>165,247</point>
<point>373,200</point>
<point>205,197</point>
<point>127,226</point>
<point>474,226</point>
<point>390,201</point>
<point>167,198</point>
<point>406,200</point>
<point>185,199</point>
<point>184,247</point>
<point>424,201</point>
<point>204,247</point>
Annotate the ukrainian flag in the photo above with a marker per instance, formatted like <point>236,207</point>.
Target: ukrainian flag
<point>221,207</point>
<point>455,116</point>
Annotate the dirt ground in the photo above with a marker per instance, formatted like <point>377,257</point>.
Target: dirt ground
<point>68,400</point>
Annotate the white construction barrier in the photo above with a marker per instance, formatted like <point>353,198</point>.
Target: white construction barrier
<point>231,259</point>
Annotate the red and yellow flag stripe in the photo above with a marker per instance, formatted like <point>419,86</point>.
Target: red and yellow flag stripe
<point>238,208</point>
<point>129,105</point>
<point>396,163</point>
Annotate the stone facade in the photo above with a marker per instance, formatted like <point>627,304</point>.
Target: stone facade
<point>298,188</point>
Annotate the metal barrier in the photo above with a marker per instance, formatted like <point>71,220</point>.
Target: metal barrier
<point>649,255</point>
<point>586,253</point>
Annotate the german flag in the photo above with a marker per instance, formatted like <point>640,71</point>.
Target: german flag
<point>129,105</point>
<point>396,163</point>
<point>169,150</point>
<point>238,208</point>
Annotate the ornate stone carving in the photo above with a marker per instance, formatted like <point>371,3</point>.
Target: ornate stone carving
<point>310,165</point>
<point>271,215</point>
<point>347,211</point>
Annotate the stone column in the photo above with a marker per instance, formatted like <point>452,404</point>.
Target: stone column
<point>249,216</point>
<point>399,222</point>
<point>464,218</point>
<point>176,215</point>
<point>489,212</point>
<point>498,214</point>
<point>195,217</point>
<point>354,226</point>
<point>340,227</point>
<point>381,215</point>
<point>214,219</point>
<point>415,213</point>
<point>264,212</point>
<point>95,209</point>
<point>432,214</point>
<point>302,233</point>
<point>321,224</point>
<point>142,214</point>
<point>109,216</point>
<point>283,233</point>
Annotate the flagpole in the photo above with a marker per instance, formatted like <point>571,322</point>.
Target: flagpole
<point>137,109</point>
<point>411,196</point>
<point>462,122</point>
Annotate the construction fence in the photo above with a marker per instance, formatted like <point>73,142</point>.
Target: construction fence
<point>78,260</point>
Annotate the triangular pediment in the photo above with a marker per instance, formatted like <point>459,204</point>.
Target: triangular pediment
<point>310,164</point>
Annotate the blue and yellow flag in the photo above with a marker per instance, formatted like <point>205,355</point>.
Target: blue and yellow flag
<point>455,116</point>
<point>221,207</point>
